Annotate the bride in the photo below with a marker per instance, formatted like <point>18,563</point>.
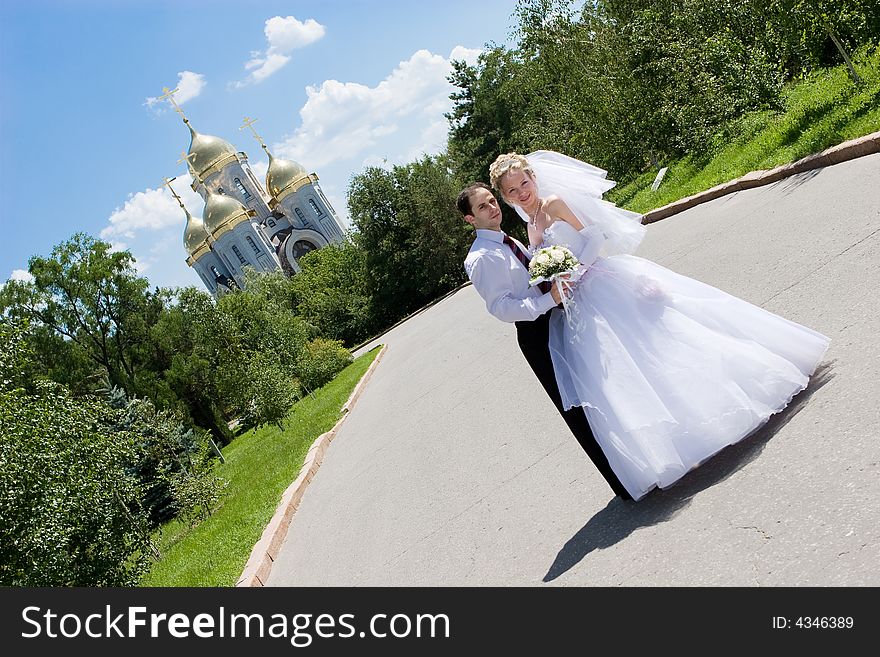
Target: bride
<point>669,370</point>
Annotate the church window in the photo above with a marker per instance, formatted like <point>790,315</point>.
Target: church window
<point>271,222</point>
<point>241,190</point>
<point>238,253</point>
<point>220,190</point>
<point>315,208</point>
<point>253,244</point>
<point>299,214</point>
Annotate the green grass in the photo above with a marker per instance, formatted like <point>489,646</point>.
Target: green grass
<point>824,110</point>
<point>260,465</point>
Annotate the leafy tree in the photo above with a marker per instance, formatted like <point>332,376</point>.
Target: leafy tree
<point>191,338</point>
<point>91,296</point>
<point>486,111</point>
<point>806,34</point>
<point>626,84</point>
<point>268,391</point>
<point>411,234</point>
<point>70,505</point>
<point>174,463</point>
<point>255,320</point>
<point>331,292</point>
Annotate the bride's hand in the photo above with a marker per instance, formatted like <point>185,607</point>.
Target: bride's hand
<point>567,290</point>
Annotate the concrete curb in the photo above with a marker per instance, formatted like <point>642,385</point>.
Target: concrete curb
<point>264,552</point>
<point>848,150</point>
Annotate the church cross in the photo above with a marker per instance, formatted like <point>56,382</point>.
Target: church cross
<point>167,182</point>
<point>249,123</point>
<point>187,157</point>
<point>169,96</point>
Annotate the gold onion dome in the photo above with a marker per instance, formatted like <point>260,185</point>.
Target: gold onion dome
<point>206,152</point>
<point>221,210</point>
<point>282,175</point>
<point>194,235</point>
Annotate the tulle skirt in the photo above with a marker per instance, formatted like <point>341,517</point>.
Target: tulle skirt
<point>670,370</point>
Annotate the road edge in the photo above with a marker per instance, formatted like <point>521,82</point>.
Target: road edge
<point>264,552</point>
<point>848,150</point>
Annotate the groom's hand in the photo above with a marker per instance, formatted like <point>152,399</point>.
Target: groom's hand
<point>554,292</point>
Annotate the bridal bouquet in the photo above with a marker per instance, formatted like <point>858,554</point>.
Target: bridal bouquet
<point>549,262</point>
<point>559,266</point>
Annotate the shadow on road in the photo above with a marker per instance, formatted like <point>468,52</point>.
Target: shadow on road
<point>619,519</point>
<point>788,185</point>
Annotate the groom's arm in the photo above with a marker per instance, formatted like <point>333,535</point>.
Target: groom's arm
<point>491,278</point>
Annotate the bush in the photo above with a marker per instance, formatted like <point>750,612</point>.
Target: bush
<point>321,360</point>
<point>70,505</point>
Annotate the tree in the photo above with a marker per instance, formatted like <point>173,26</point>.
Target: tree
<point>412,236</point>
<point>91,296</point>
<point>174,463</point>
<point>191,338</point>
<point>255,320</point>
<point>623,84</point>
<point>262,389</point>
<point>330,292</point>
<point>807,34</point>
<point>260,339</point>
<point>486,111</point>
<point>69,502</point>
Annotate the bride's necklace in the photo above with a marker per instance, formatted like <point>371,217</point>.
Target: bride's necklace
<point>533,220</point>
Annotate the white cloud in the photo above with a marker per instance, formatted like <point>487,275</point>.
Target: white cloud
<point>189,85</point>
<point>265,67</point>
<point>433,139</point>
<point>344,120</point>
<point>286,34</point>
<point>259,168</point>
<point>378,161</point>
<point>468,55</point>
<point>152,209</point>
<point>21,275</point>
<point>150,225</point>
<point>283,35</point>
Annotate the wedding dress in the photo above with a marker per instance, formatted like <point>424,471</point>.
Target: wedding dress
<point>669,370</point>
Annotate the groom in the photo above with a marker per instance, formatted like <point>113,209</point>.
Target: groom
<point>498,267</point>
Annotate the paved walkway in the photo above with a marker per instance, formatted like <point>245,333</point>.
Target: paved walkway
<point>454,468</point>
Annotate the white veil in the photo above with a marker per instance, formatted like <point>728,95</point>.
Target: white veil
<point>581,186</point>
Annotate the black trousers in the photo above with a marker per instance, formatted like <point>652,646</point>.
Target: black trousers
<point>534,341</point>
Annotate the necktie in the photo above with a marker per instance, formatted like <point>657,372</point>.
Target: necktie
<point>524,259</point>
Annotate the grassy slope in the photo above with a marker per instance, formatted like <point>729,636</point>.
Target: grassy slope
<point>821,111</point>
<point>260,465</point>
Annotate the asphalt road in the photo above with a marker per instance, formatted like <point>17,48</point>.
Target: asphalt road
<point>455,469</point>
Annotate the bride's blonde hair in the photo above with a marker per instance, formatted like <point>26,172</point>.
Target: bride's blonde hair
<point>506,163</point>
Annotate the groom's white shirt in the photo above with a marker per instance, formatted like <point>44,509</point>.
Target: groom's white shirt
<point>502,280</point>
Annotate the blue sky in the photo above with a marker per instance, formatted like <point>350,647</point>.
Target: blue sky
<point>334,84</point>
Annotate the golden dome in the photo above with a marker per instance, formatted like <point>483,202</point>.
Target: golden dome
<point>206,152</point>
<point>282,175</point>
<point>194,235</point>
<point>222,210</point>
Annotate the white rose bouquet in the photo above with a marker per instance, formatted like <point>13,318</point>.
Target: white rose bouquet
<point>559,266</point>
<point>550,262</point>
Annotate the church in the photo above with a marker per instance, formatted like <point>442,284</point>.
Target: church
<point>246,224</point>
